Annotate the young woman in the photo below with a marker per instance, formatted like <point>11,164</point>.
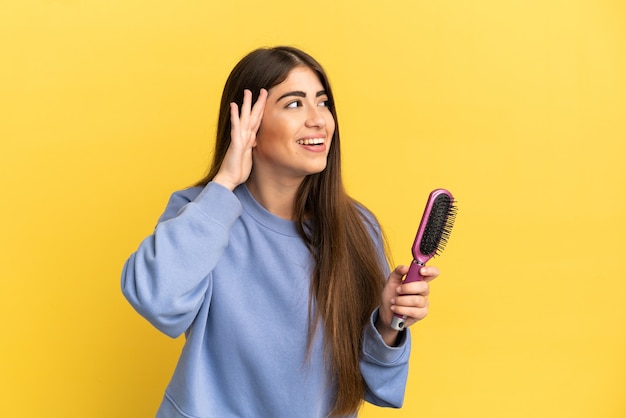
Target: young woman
<point>275,275</point>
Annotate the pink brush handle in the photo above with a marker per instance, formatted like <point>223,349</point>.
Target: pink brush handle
<point>413,275</point>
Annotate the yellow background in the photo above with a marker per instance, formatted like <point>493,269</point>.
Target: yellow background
<point>518,107</point>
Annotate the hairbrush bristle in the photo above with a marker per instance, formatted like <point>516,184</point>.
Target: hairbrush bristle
<point>438,226</point>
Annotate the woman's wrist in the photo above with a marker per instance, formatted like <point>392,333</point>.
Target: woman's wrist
<point>389,335</point>
<point>224,182</point>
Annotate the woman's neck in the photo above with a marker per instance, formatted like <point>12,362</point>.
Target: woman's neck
<point>277,197</point>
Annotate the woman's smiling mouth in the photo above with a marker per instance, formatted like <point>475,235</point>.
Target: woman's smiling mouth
<point>312,141</point>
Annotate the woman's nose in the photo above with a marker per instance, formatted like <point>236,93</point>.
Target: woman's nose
<point>315,117</point>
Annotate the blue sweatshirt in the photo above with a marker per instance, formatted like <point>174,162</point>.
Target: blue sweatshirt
<point>235,279</point>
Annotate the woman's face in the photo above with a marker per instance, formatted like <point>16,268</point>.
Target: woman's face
<point>296,130</point>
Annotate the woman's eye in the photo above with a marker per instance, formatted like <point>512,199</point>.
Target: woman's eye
<point>324,103</point>
<point>293,105</point>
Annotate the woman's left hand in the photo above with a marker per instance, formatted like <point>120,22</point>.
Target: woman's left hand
<point>409,299</point>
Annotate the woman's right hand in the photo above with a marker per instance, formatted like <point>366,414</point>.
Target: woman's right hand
<point>237,164</point>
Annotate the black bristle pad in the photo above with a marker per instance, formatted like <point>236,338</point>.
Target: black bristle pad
<point>438,226</point>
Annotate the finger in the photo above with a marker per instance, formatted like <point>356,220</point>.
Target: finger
<point>245,106</point>
<point>257,111</point>
<point>414,313</point>
<point>414,288</point>
<point>259,106</point>
<point>429,272</point>
<point>234,118</point>
<point>411,301</point>
<point>396,276</point>
<point>399,272</point>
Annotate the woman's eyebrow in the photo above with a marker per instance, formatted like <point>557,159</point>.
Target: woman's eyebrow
<point>300,94</point>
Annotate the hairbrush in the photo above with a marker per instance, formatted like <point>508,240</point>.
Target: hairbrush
<point>432,236</point>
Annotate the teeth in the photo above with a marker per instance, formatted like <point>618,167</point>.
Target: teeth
<point>314,141</point>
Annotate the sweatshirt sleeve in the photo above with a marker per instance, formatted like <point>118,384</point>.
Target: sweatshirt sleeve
<point>384,368</point>
<point>168,278</point>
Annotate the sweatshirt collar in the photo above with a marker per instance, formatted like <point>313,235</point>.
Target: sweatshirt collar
<point>262,215</point>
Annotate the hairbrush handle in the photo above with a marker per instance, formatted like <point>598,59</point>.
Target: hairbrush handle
<point>413,275</point>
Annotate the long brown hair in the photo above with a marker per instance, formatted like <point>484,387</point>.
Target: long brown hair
<point>348,274</point>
